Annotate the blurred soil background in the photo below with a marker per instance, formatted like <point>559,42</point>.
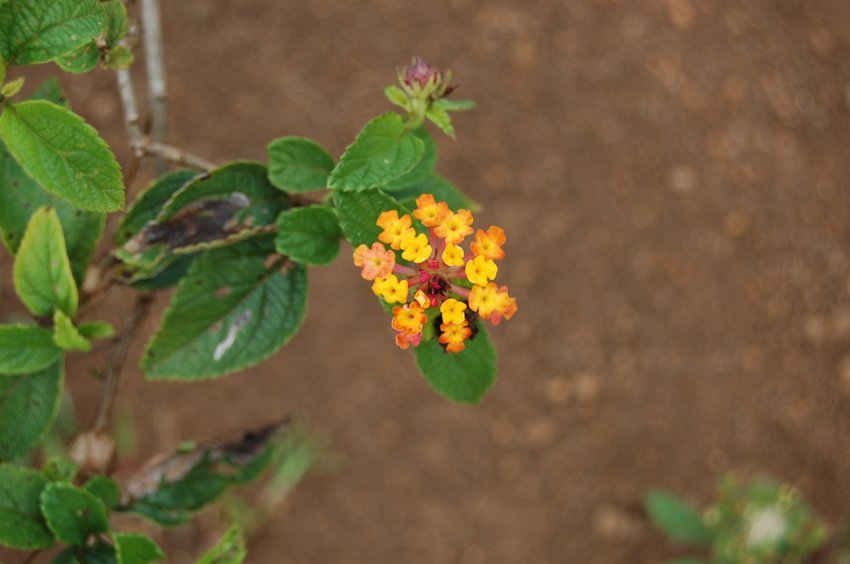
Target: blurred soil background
<point>673,180</point>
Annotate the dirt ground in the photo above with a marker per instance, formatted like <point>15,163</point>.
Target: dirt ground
<point>673,180</point>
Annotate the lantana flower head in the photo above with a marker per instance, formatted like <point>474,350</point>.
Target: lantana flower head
<point>434,279</point>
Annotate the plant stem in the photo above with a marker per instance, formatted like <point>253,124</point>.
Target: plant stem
<point>113,373</point>
<point>152,37</point>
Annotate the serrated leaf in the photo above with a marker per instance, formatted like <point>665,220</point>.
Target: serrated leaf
<point>64,154</point>
<point>21,523</point>
<point>80,60</point>
<point>230,311</point>
<point>676,518</point>
<point>169,487</point>
<point>60,469</point>
<point>42,272</point>
<point>297,164</point>
<point>150,203</point>
<point>37,31</point>
<point>20,196</point>
<point>96,330</point>
<point>105,489</point>
<point>25,349</point>
<point>230,549</point>
<point>72,513</point>
<point>65,334</point>
<point>456,105</point>
<point>442,190</point>
<point>308,235</point>
<point>29,405</point>
<point>136,548</point>
<point>358,212</point>
<point>422,169</point>
<point>441,118</point>
<point>383,151</point>
<point>462,377</point>
<point>396,95</point>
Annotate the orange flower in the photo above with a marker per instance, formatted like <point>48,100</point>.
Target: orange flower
<point>429,212</point>
<point>455,226</point>
<point>391,289</point>
<point>377,261</point>
<point>489,244</point>
<point>409,318</point>
<point>395,228</point>
<point>404,339</point>
<point>487,300</point>
<point>453,336</point>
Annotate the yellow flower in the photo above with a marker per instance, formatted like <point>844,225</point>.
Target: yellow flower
<point>480,270</point>
<point>455,226</point>
<point>416,248</point>
<point>429,212</point>
<point>487,300</point>
<point>453,336</point>
<point>452,311</point>
<point>377,261</point>
<point>395,228</point>
<point>409,318</point>
<point>489,244</point>
<point>391,289</point>
<point>453,255</point>
<point>421,298</point>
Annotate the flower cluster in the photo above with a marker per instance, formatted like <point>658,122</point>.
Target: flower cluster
<point>453,285</point>
<point>421,80</point>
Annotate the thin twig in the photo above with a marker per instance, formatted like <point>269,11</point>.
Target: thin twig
<point>131,111</point>
<point>152,37</point>
<point>32,556</point>
<point>116,363</point>
<point>175,155</point>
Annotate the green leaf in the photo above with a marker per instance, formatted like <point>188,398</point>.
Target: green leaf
<point>37,31</point>
<point>26,348</point>
<point>21,523</point>
<point>51,91</point>
<point>168,488</point>
<point>42,272</point>
<point>397,96</point>
<point>383,151</point>
<point>96,330</point>
<point>136,548</point>
<point>150,203</point>
<point>462,377</point>
<point>297,164</point>
<point>64,154</point>
<point>29,405</point>
<point>423,168</point>
<point>105,489</point>
<point>676,518</point>
<point>60,469</point>
<point>73,513</point>
<point>308,235</point>
<point>99,553</point>
<point>119,57</point>
<point>230,549</point>
<point>442,190</point>
<point>456,105</point>
<point>12,88</point>
<point>117,23</point>
<point>441,118</point>
<point>230,311</point>
<point>20,196</point>
<point>66,336</point>
<point>80,60</point>
<point>358,212</point>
